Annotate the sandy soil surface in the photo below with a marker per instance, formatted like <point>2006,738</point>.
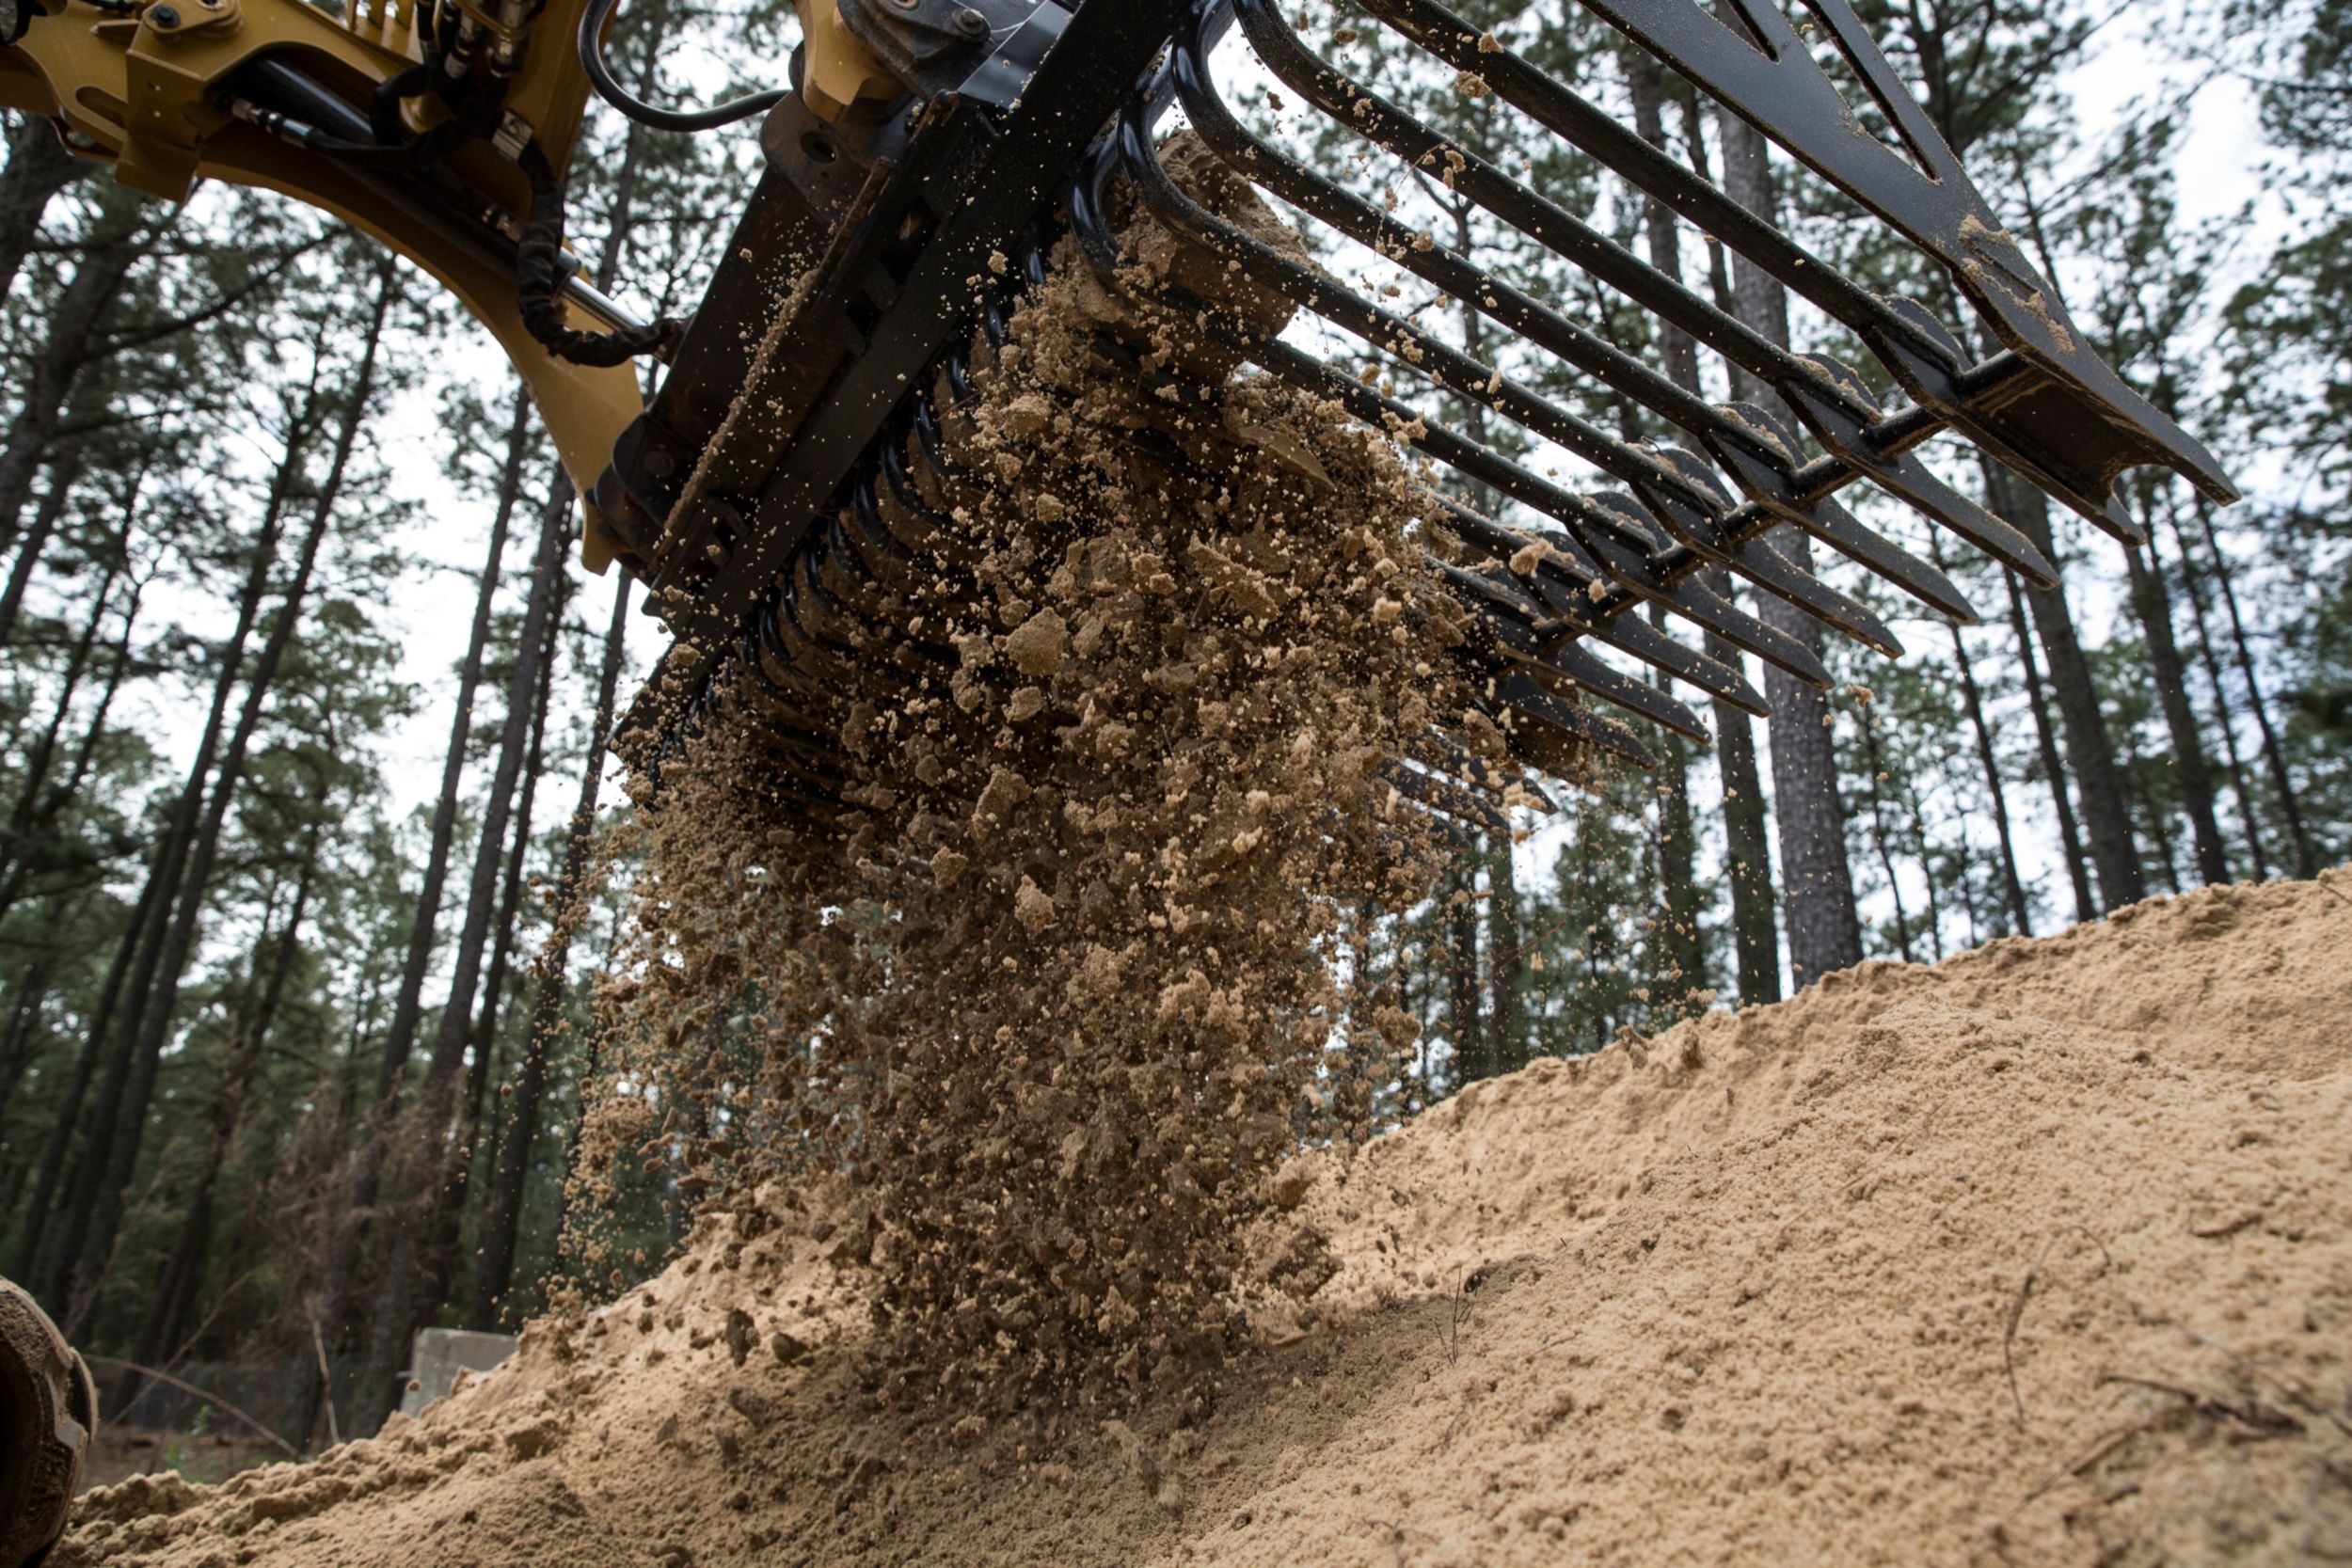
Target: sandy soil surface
<point>2038,1256</point>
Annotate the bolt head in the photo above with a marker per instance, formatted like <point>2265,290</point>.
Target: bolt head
<point>971,23</point>
<point>163,16</point>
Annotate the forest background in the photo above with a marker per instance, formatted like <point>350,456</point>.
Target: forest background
<point>303,690</point>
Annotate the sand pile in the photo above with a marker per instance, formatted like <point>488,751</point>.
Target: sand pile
<point>2044,1255</point>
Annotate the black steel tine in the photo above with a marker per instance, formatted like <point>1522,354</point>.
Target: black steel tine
<point>1615,144</point>
<point>1356,106</point>
<point>1605,514</point>
<point>1439,794</point>
<point>1616,687</point>
<point>1640,640</point>
<point>1684,594</point>
<point>1842,412</point>
<point>1762,564</point>
<point>1522,635</point>
<point>1842,531</point>
<point>1593,525</point>
<point>1626,632</point>
<point>1667,579</point>
<point>2051,380</point>
<point>1833,525</point>
<point>1774,574</point>
<point>1432,822</point>
<point>1532,701</point>
<point>1516,615</point>
<point>1442,754</point>
<point>1437,263</point>
<point>1449,367</point>
<point>1429,356</point>
<point>1901,474</point>
<point>1704,608</point>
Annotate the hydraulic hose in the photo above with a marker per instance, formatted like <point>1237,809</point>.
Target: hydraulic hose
<point>540,272</point>
<point>651,115</point>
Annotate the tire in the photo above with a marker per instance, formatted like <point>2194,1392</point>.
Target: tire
<point>47,1412</point>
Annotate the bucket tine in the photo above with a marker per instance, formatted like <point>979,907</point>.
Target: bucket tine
<point>1587,493</point>
<point>1768,77</point>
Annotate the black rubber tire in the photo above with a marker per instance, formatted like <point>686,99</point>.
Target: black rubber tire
<point>47,1411</point>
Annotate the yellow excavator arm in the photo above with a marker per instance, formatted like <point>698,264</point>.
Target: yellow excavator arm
<point>278,94</point>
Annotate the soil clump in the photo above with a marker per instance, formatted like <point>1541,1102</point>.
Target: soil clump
<point>2041,1255</point>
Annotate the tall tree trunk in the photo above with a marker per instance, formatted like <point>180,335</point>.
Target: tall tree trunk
<point>450,1197</point>
<point>38,168</point>
<point>399,1302</point>
<point>41,809</point>
<point>162,1007</point>
<point>1997,793</point>
<point>72,316</point>
<point>2153,602</point>
<point>2052,767</point>
<point>338,1274</point>
<point>2168,869</point>
<point>1678,865</point>
<point>1747,834</point>
<point>2306,859</point>
<point>2107,817</point>
<point>1754,927</point>
<point>146,941</point>
<point>502,1222</point>
<point>161,1331</point>
<point>65,469</point>
<point>1919,844</point>
<point>608,269</point>
<point>1472,1061</point>
<point>2211,662</point>
<point>49,1282</point>
<point>1506,962</point>
<point>1824,934</point>
<point>1877,835</point>
<point>63,913</point>
<point>34,789</point>
<point>408,1002</point>
<point>1747,838</point>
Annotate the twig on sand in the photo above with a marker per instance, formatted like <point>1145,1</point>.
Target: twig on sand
<point>2252,1414</point>
<point>204,1394</point>
<point>2008,1337</point>
<point>2253,1373</point>
<point>2017,1307</point>
<point>326,1388</point>
<point>1457,1313</point>
<point>2100,1446</point>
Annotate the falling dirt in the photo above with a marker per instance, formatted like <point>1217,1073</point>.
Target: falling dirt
<point>1044,1002</point>
<point>2044,1255</point>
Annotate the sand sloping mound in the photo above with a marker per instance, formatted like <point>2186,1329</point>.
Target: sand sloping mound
<point>2040,1256</point>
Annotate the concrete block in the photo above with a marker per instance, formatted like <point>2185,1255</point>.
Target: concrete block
<point>440,1353</point>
